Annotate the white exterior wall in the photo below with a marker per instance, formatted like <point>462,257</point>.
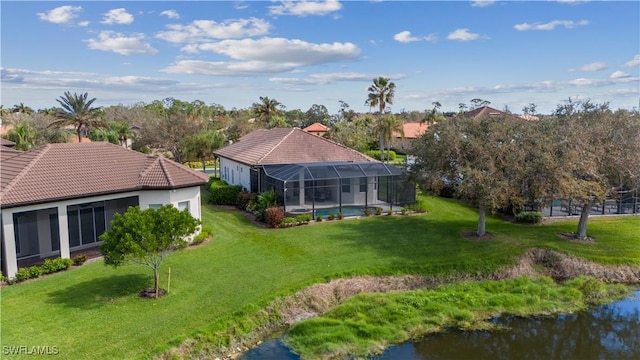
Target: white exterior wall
<point>145,198</point>
<point>235,173</point>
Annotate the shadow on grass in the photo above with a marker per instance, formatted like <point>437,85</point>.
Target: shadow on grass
<point>99,292</point>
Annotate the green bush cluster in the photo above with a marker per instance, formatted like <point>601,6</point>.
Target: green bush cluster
<point>198,164</point>
<point>295,221</point>
<point>221,193</point>
<point>262,201</point>
<point>244,199</point>
<point>378,210</point>
<point>79,259</point>
<point>376,154</point>
<point>205,232</point>
<point>50,266</point>
<point>529,217</point>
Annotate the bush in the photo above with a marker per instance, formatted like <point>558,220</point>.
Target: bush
<point>376,154</point>
<point>23,274</point>
<point>389,212</point>
<point>79,259</point>
<point>199,239</point>
<point>378,210</point>
<point>35,272</point>
<point>244,199</point>
<point>304,218</point>
<point>54,265</point>
<point>420,206</point>
<point>289,222</point>
<point>331,217</point>
<point>319,218</point>
<point>367,212</point>
<point>404,210</point>
<point>529,217</point>
<point>274,216</point>
<point>340,216</point>
<point>221,193</point>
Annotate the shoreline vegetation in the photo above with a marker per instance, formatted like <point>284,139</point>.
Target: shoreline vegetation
<point>247,282</point>
<point>361,316</point>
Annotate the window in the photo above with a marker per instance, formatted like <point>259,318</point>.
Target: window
<point>183,205</point>
<point>346,185</point>
<point>363,184</point>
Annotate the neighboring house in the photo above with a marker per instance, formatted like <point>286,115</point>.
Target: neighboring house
<point>310,172</point>
<point>316,129</point>
<point>411,131</point>
<point>486,111</point>
<point>59,198</point>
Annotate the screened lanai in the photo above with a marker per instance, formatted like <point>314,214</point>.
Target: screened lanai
<point>338,187</point>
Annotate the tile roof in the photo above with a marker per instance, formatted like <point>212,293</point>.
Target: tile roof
<point>5,142</point>
<point>68,171</point>
<point>485,111</point>
<point>287,146</point>
<point>412,130</point>
<point>316,127</point>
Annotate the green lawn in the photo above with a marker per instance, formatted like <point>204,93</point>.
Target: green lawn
<point>94,312</point>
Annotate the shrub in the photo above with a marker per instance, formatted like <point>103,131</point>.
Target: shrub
<point>35,272</point>
<point>199,239</point>
<point>289,222</point>
<point>389,212</point>
<point>304,218</point>
<point>220,193</point>
<point>331,216</point>
<point>367,212</point>
<point>22,274</point>
<point>529,217</point>
<point>340,216</point>
<point>79,259</point>
<point>378,210</point>
<point>376,154</point>
<point>404,210</point>
<point>55,265</point>
<point>274,216</point>
<point>318,218</point>
<point>3,278</point>
<point>244,198</point>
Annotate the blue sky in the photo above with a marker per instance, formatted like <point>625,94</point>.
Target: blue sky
<point>302,53</point>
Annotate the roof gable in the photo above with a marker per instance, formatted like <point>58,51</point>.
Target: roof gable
<point>65,171</point>
<point>287,146</point>
<point>316,127</point>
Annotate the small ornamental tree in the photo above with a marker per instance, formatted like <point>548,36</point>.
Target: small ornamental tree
<point>146,237</point>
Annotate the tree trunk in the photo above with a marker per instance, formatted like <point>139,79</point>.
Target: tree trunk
<point>582,224</point>
<point>204,164</point>
<point>156,280</point>
<point>482,227</point>
<point>381,148</point>
<point>79,132</point>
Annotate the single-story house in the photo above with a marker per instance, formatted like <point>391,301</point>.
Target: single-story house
<point>316,129</point>
<point>311,173</point>
<point>58,199</point>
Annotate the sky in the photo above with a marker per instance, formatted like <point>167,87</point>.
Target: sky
<point>305,53</point>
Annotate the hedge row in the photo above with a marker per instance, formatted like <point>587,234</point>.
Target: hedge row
<point>376,154</point>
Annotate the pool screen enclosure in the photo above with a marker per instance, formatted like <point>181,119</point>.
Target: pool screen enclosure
<point>304,188</point>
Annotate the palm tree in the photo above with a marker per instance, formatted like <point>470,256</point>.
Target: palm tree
<point>267,109</point>
<point>22,109</point>
<point>123,131</point>
<point>77,111</point>
<point>380,94</point>
<point>23,135</point>
<point>386,126</point>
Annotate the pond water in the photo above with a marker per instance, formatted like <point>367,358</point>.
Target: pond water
<point>607,332</point>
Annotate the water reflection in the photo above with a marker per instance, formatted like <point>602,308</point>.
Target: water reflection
<point>607,332</point>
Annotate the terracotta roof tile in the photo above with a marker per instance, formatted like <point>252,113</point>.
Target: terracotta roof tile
<point>5,142</point>
<point>412,130</point>
<point>316,127</point>
<point>66,171</point>
<point>287,146</point>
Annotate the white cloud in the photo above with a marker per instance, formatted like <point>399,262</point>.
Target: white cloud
<point>569,24</point>
<point>462,35</point>
<point>171,14</point>
<point>304,8</point>
<point>83,23</point>
<point>405,37</point>
<point>482,3</point>
<point>619,75</point>
<point>203,30</point>
<point>121,44</point>
<point>117,16</point>
<point>572,2</point>
<point>633,63</point>
<point>281,50</point>
<point>596,66</point>
<point>61,15</point>
<point>322,79</point>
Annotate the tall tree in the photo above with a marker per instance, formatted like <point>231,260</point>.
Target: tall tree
<point>147,237</point>
<point>77,111</point>
<point>387,126</point>
<point>380,94</point>
<point>476,157</point>
<point>22,109</point>
<point>202,145</point>
<point>267,110</point>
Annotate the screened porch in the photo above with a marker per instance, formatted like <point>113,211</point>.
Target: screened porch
<point>338,187</point>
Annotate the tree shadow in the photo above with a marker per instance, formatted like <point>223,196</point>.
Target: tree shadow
<point>100,292</point>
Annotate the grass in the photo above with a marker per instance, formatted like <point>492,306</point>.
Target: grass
<point>94,311</point>
<point>368,323</point>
